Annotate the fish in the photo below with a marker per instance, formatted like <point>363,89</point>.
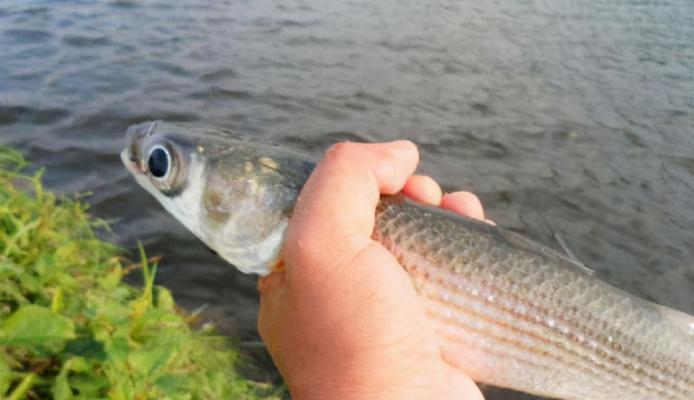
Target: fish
<point>515,313</point>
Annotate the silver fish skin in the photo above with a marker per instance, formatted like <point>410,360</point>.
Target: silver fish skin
<point>510,312</point>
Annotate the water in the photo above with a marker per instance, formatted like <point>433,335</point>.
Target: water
<point>567,117</point>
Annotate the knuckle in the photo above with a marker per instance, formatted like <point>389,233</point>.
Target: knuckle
<point>301,248</point>
<point>341,151</point>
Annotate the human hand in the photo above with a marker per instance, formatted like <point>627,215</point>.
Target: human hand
<point>342,320</point>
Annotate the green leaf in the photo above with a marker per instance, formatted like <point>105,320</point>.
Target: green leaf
<point>117,351</point>
<point>86,347</point>
<point>89,386</point>
<point>149,362</point>
<point>61,387</point>
<point>21,390</point>
<point>170,385</point>
<point>5,377</point>
<point>112,279</point>
<point>11,159</point>
<point>164,299</point>
<point>33,325</point>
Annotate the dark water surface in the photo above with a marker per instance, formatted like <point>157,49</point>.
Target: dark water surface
<point>575,117</point>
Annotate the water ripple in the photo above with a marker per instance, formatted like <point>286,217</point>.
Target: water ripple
<point>23,114</point>
<point>565,116</point>
<point>23,36</point>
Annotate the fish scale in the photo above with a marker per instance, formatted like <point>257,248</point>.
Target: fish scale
<point>616,339</point>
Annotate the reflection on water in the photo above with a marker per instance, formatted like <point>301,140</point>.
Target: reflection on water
<point>567,117</point>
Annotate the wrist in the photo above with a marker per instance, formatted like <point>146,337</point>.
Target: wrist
<point>436,383</point>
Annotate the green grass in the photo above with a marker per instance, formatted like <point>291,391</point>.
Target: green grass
<point>70,328</point>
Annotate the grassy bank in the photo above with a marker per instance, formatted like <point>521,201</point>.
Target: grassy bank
<point>70,328</point>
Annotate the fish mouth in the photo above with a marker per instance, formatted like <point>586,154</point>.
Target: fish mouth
<point>135,136</point>
<point>131,164</point>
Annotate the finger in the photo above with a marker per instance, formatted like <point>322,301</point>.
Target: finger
<point>336,207</point>
<point>423,189</point>
<point>273,293</point>
<point>464,203</point>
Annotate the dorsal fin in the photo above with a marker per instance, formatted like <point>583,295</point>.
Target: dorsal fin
<point>565,247</point>
<point>524,243</point>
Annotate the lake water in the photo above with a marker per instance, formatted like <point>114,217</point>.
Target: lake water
<point>574,117</point>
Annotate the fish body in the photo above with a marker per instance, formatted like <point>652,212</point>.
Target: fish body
<point>512,313</point>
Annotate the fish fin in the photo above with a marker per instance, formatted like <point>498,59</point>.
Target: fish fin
<point>524,243</point>
<point>570,254</point>
<point>679,319</point>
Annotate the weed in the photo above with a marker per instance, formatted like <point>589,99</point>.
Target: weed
<point>70,328</point>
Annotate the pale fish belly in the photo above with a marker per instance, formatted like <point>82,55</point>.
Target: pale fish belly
<point>522,319</point>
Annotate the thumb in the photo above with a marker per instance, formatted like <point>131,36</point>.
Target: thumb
<point>334,216</point>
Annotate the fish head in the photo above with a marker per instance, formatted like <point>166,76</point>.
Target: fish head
<point>235,194</point>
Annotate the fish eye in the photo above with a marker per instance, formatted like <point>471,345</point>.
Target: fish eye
<point>159,162</point>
